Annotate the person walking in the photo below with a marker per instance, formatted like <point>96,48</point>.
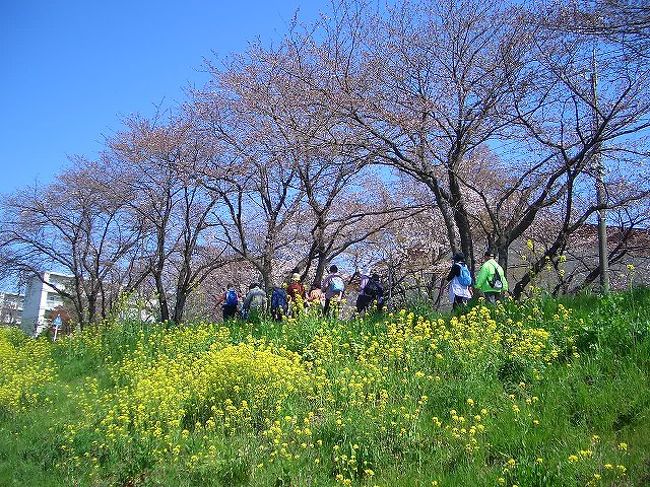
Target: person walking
<point>279,303</point>
<point>333,287</point>
<point>460,281</point>
<point>491,279</point>
<point>255,303</point>
<point>297,294</point>
<point>295,289</point>
<point>370,290</point>
<point>316,297</point>
<point>229,303</point>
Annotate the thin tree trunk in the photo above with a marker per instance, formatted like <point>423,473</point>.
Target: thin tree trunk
<point>179,309</point>
<point>320,267</point>
<point>162,298</point>
<point>446,211</point>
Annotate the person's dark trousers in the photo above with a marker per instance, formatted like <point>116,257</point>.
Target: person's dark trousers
<point>326,308</point>
<point>229,312</point>
<point>459,302</point>
<point>363,302</point>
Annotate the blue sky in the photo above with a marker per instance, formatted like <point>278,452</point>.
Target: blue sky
<point>70,69</point>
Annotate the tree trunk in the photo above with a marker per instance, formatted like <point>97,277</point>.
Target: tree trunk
<point>538,265</point>
<point>162,298</point>
<point>266,273</point>
<point>466,241</point>
<point>460,217</point>
<point>446,211</point>
<point>502,250</point>
<point>179,309</point>
<point>92,305</point>
<point>320,267</point>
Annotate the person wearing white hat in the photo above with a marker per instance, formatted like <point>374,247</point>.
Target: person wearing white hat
<point>296,288</point>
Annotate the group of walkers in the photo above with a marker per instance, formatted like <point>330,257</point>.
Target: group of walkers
<point>285,299</point>
<point>491,283</point>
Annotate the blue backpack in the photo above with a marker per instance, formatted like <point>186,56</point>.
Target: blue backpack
<point>231,298</point>
<point>465,278</point>
<point>336,285</point>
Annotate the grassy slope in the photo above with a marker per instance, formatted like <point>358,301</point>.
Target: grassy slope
<point>605,391</point>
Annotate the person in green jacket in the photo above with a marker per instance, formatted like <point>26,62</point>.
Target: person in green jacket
<point>491,280</point>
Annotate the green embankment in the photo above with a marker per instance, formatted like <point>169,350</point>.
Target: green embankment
<point>545,393</point>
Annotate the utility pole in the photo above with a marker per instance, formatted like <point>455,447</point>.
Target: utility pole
<point>391,279</point>
<point>601,195</point>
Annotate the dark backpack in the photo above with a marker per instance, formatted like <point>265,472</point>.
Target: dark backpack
<point>231,298</point>
<point>373,289</point>
<point>279,300</point>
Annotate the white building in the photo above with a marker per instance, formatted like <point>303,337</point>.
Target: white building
<point>11,308</point>
<point>40,298</point>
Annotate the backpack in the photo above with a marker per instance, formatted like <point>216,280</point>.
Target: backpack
<point>258,301</point>
<point>464,278</point>
<point>496,283</point>
<point>231,298</point>
<point>279,300</point>
<point>373,289</point>
<point>336,285</point>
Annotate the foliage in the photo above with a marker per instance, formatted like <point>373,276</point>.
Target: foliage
<point>374,138</point>
<point>25,365</point>
<point>535,393</point>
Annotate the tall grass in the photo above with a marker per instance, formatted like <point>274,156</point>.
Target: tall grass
<point>541,393</point>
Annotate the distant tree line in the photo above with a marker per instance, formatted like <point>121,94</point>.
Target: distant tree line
<point>388,138</point>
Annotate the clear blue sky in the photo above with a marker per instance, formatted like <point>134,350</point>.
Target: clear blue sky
<point>69,69</point>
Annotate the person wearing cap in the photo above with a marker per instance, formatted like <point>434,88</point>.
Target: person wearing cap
<point>295,288</point>
<point>491,279</point>
<point>460,281</point>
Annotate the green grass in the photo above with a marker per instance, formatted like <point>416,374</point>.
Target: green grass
<point>377,388</point>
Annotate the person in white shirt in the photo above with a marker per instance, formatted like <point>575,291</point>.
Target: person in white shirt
<point>333,287</point>
<point>460,290</point>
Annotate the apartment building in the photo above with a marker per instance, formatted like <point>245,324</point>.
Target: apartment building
<point>11,308</point>
<point>40,297</point>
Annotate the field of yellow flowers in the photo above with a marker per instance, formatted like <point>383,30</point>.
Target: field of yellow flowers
<point>543,393</point>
